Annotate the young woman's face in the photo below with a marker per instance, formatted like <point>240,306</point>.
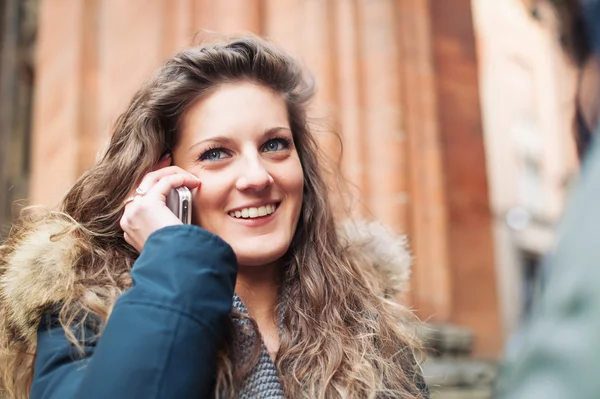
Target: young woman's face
<point>238,142</point>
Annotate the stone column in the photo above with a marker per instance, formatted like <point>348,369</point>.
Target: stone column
<point>469,223</point>
<point>431,284</point>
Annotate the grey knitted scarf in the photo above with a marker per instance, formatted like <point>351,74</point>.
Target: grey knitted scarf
<point>262,381</point>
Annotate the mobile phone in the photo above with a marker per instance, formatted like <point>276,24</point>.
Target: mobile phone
<point>179,201</point>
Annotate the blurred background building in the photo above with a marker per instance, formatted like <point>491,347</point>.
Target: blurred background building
<point>454,117</point>
<point>527,98</point>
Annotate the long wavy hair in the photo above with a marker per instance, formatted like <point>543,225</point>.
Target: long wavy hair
<point>340,336</point>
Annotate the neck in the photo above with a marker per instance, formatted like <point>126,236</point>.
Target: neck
<point>258,287</point>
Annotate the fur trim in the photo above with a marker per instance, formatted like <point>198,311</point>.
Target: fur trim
<point>38,273</point>
<point>37,269</point>
<point>387,253</point>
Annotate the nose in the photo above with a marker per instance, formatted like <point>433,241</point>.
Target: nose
<point>254,176</point>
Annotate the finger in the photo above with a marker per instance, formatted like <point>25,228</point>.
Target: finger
<point>153,177</point>
<point>170,182</point>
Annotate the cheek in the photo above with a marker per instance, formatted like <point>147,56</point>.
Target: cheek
<point>209,202</point>
<point>299,179</point>
<point>292,180</point>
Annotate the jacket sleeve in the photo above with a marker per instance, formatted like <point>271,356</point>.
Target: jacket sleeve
<point>162,337</point>
<point>561,354</point>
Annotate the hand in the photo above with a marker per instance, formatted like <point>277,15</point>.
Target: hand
<point>146,211</point>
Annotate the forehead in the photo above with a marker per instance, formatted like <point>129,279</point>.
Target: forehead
<point>233,108</point>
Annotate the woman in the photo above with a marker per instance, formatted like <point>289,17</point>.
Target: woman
<point>113,297</point>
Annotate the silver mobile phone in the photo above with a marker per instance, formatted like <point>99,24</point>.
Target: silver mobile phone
<point>179,201</point>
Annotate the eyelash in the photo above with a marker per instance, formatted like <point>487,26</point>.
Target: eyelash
<point>212,148</point>
<point>283,140</point>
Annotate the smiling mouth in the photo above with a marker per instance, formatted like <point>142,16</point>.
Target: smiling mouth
<point>254,212</point>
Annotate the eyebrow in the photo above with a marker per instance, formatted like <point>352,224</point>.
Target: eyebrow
<point>225,139</point>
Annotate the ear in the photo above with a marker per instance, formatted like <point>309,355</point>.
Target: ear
<point>165,160</point>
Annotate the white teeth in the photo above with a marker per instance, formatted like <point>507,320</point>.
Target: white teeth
<point>253,212</point>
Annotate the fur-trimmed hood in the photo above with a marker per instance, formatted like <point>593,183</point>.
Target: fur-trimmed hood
<point>35,272</point>
<point>38,269</point>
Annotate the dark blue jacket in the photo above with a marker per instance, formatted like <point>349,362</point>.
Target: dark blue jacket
<point>162,337</point>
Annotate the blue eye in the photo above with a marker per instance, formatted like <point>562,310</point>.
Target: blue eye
<point>276,145</point>
<point>214,154</point>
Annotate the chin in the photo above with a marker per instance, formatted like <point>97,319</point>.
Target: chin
<point>256,255</point>
<point>256,260</point>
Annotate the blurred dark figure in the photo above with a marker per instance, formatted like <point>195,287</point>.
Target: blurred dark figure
<point>579,29</point>
<point>561,352</point>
